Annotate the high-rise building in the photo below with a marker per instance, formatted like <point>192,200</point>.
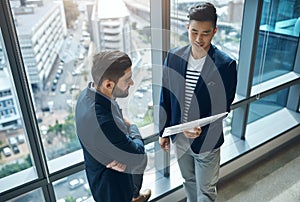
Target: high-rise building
<point>41,28</point>
<point>111,26</point>
<point>9,115</point>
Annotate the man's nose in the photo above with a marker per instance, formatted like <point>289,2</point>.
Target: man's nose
<point>131,82</point>
<point>198,37</point>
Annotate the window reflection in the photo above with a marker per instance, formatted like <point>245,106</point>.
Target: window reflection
<point>227,38</point>
<point>267,105</point>
<point>278,40</point>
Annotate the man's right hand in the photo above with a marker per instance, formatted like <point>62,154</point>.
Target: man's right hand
<point>115,165</point>
<point>164,143</point>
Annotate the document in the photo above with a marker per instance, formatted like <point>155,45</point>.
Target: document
<point>192,124</point>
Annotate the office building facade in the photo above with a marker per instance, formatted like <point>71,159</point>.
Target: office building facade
<point>41,28</point>
<point>111,26</point>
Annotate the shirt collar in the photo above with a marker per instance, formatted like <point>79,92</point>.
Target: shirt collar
<point>91,87</point>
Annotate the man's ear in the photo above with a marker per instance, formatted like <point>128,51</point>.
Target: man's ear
<point>215,30</point>
<point>109,84</point>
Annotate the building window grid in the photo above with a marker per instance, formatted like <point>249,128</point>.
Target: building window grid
<point>246,101</point>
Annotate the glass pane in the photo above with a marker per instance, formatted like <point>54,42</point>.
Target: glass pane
<point>278,39</point>
<point>137,107</point>
<point>267,105</point>
<point>58,39</point>
<point>15,153</point>
<point>36,195</point>
<point>229,23</point>
<point>50,48</point>
<point>72,188</point>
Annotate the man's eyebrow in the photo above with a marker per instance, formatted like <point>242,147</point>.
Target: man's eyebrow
<point>207,31</point>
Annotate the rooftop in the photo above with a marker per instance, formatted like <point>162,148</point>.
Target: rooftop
<point>112,9</point>
<point>28,23</point>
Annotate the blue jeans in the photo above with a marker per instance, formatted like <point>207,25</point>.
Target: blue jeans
<point>200,172</point>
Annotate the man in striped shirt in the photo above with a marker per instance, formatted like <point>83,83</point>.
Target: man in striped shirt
<point>199,81</point>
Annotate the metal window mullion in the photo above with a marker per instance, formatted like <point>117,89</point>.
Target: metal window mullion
<point>166,18</point>
<point>266,93</point>
<point>22,89</point>
<point>23,189</point>
<point>160,43</point>
<point>248,48</point>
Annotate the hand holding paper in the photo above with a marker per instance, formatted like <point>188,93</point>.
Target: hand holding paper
<point>193,133</point>
<point>189,125</point>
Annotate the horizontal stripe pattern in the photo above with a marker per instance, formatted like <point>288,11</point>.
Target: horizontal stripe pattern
<point>190,85</point>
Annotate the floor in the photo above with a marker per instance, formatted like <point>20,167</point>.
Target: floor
<point>274,178</point>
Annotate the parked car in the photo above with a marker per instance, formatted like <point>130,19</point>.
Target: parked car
<point>57,76</point>
<point>21,139</point>
<point>15,149</point>
<point>12,141</point>
<point>45,109</point>
<point>59,71</point>
<point>74,87</point>
<point>6,151</point>
<point>55,81</point>
<point>53,87</point>
<point>80,199</point>
<point>63,88</point>
<point>61,67</point>
<point>75,183</point>
<point>44,129</point>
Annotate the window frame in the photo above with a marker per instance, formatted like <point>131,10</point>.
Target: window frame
<point>160,43</point>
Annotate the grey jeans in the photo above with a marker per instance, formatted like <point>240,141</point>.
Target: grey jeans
<point>200,172</point>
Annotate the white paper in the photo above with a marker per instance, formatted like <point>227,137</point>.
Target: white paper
<point>192,124</point>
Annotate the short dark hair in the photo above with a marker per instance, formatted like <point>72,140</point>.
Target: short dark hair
<point>109,65</point>
<point>203,12</point>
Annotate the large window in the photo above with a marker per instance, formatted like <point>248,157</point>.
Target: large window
<point>55,56</point>
<point>57,43</point>
<point>46,50</point>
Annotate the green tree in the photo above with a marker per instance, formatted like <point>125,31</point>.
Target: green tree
<point>71,12</point>
<point>68,127</point>
<point>10,169</point>
<point>70,199</point>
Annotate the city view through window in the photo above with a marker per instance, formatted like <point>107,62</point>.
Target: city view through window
<point>57,41</point>
<point>58,38</point>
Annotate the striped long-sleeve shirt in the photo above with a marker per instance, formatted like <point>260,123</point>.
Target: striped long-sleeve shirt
<point>193,72</point>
